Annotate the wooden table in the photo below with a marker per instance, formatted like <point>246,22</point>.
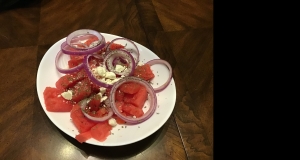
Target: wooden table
<point>179,31</point>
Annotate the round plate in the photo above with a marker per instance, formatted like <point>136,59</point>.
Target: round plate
<point>47,75</point>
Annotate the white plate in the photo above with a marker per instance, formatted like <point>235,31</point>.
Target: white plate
<point>47,75</point>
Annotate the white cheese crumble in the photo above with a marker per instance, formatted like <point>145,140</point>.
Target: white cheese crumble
<point>112,122</point>
<point>102,91</point>
<point>67,95</point>
<point>107,77</point>
<point>119,68</point>
<point>110,75</point>
<point>103,98</point>
<point>140,63</point>
<point>101,71</point>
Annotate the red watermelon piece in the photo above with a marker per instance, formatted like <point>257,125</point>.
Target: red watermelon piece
<point>82,123</point>
<point>101,131</point>
<point>83,137</point>
<point>55,102</point>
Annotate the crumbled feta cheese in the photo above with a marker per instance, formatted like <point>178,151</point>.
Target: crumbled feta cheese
<point>110,75</point>
<point>102,79</point>
<point>119,68</point>
<point>102,90</point>
<point>67,95</point>
<point>103,98</point>
<point>112,122</point>
<point>108,81</point>
<point>101,71</point>
<point>140,63</point>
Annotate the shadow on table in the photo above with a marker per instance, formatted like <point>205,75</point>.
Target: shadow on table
<point>118,152</point>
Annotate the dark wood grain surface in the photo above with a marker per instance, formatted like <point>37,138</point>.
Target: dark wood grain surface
<point>179,31</point>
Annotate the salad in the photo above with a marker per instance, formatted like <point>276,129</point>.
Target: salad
<point>104,84</point>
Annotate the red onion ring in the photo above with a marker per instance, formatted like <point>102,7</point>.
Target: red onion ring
<point>83,104</point>
<point>66,71</point>
<point>67,49</point>
<point>79,34</point>
<point>136,59</point>
<point>152,99</point>
<point>122,54</point>
<point>160,61</point>
<point>91,75</point>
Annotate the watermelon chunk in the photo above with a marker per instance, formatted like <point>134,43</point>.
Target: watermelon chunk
<point>119,95</point>
<point>74,62</point>
<point>130,87</point>
<point>115,46</point>
<point>81,90</point>
<point>101,131</point>
<point>69,80</point>
<point>83,137</point>
<point>80,121</point>
<point>140,97</point>
<point>132,110</point>
<point>144,72</point>
<point>118,119</point>
<point>54,102</point>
